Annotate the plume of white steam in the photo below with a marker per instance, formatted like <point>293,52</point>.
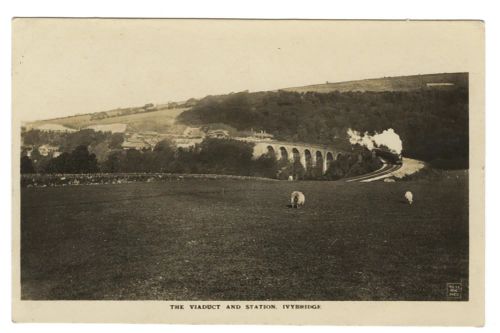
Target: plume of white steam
<point>387,138</point>
<point>356,138</point>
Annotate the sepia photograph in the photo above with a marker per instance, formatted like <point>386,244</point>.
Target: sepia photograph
<point>269,165</point>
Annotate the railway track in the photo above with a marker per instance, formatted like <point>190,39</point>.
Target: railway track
<point>384,170</point>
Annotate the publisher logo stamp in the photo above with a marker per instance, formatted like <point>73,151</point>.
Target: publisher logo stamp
<point>454,290</point>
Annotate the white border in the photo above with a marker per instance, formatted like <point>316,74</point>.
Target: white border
<point>257,9</point>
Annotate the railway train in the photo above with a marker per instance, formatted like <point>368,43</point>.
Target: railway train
<point>389,156</point>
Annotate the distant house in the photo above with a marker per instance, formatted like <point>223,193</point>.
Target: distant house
<point>218,134</point>
<point>137,141</point>
<point>46,150</point>
<point>54,128</point>
<point>144,140</point>
<point>193,132</point>
<point>26,150</point>
<point>135,144</point>
<point>187,142</point>
<point>263,135</point>
<point>257,136</point>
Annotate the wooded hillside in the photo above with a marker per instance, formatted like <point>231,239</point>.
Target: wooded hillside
<point>432,122</point>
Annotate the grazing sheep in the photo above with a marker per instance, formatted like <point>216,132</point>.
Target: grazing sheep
<point>409,197</point>
<point>298,199</point>
<point>290,178</point>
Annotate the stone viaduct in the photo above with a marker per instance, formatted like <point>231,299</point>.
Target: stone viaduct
<point>309,155</point>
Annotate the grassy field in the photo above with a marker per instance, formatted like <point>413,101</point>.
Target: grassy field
<point>238,240</point>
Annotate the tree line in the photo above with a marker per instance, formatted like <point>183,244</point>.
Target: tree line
<point>211,156</point>
<point>67,142</point>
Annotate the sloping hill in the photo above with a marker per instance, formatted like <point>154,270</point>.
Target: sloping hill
<point>157,120</point>
<point>399,83</point>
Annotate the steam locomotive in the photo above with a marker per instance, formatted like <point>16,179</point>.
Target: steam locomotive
<point>389,156</point>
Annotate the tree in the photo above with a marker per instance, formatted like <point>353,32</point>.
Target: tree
<point>226,156</point>
<point>78,161</point>
<point>266,166</point>
<point>298,170</point>
<point>31,137</point>
<point>60,164</point>
<point>114,162</point>
<point>85,137</point>
<point>164,155</point>
<point>116,140</point>
<point>27,165</point>
<point>132,161</point>
<point>101,151</point>
<point>81,161</point>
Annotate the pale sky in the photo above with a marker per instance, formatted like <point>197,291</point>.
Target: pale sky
<point>63,67</point>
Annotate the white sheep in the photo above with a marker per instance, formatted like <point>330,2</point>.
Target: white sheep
<point>409,197</point>
<point>297,199</point>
